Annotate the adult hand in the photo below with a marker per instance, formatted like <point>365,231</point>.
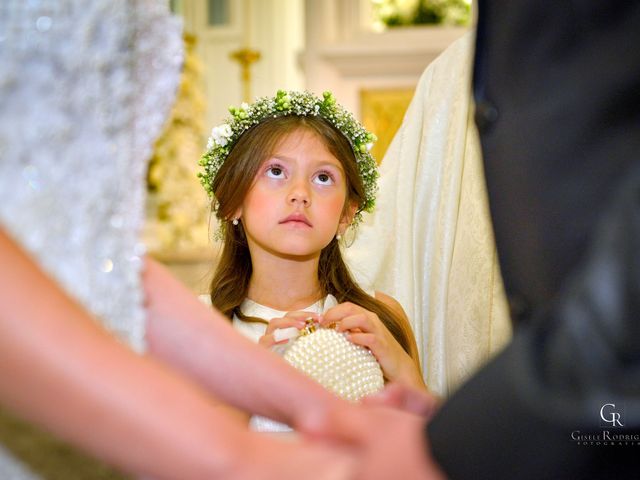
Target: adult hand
<point>390,443</point>
<point>295,319</point>
<point>269,458</point>
<point>417,401</point>
<point>366,329</point>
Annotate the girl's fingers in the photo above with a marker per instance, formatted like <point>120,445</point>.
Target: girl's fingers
<point>291,319</point>
<point>266,341</point>
<point>360,322</point>
<point>284,322</point>
<point>337,313</point>
<point>368,340</point>
<point>278,336</point>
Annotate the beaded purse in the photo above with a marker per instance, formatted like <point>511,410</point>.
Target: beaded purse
<point>327,356</point>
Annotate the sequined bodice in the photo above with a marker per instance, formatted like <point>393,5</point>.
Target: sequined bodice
<point>84,90</point>
<point>85,87</point>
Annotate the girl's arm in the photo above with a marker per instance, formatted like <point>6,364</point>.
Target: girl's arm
<point>61,370</point>
<point>395,306</point>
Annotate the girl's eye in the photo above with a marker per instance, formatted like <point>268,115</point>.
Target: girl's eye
<point>275,171</point>
<point>324,178</point>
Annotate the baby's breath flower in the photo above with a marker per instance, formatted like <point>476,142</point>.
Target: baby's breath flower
<point>220,135</point>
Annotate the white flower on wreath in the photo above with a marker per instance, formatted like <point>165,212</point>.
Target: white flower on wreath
<point>221,134</point>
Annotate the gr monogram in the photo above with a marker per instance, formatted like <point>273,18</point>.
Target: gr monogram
<point>612,417</point>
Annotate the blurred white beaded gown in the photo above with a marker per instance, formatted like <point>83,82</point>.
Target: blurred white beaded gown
<point>85,88</point>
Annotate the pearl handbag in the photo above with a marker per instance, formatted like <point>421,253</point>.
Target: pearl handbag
<point>327,356</point>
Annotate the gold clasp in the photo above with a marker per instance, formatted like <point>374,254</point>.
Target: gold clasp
<point>309,326</point>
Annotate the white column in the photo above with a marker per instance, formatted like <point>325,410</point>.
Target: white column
<point>278,33</point>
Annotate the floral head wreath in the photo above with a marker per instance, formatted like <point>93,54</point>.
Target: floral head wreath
<point>225,136</point>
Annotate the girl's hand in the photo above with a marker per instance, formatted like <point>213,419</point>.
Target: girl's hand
<point>292,319</point>
<point>366,329</point>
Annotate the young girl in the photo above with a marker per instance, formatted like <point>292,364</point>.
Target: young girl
<point>289,175</point>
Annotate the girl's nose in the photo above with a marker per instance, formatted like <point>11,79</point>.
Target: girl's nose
<point>299,194</point>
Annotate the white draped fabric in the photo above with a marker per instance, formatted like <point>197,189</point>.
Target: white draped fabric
<point>430,243</point>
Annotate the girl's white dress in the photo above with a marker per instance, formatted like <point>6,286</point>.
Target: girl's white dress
<point>85,89</point>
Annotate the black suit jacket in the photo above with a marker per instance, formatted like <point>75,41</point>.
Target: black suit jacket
<point>557,89</point>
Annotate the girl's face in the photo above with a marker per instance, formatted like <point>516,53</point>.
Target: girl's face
<point>295,206</point>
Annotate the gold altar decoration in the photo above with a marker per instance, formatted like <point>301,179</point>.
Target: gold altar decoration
<point>246,57</point>
<point>177,207</point>
<point>382,112</point>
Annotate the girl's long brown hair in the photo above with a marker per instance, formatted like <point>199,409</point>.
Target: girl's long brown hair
<point>230,283</point>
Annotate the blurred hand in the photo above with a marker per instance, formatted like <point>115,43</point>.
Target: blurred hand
<point>417,401</point>
<point>267,458</point>
<point>389,443</point>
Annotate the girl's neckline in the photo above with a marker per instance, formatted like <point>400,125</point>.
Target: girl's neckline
<point>252,308</point>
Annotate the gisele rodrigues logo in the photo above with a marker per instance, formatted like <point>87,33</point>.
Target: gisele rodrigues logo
<point>613,432</point>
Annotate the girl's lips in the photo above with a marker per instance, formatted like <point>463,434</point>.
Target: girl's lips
<point>297,218</point>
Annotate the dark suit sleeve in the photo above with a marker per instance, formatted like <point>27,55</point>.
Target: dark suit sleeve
<point>528,412</point>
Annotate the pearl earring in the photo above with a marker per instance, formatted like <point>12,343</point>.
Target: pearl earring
<point>338,236</point>
<point>235,221</point>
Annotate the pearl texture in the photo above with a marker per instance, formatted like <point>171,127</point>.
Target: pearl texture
<point>346,369</point>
